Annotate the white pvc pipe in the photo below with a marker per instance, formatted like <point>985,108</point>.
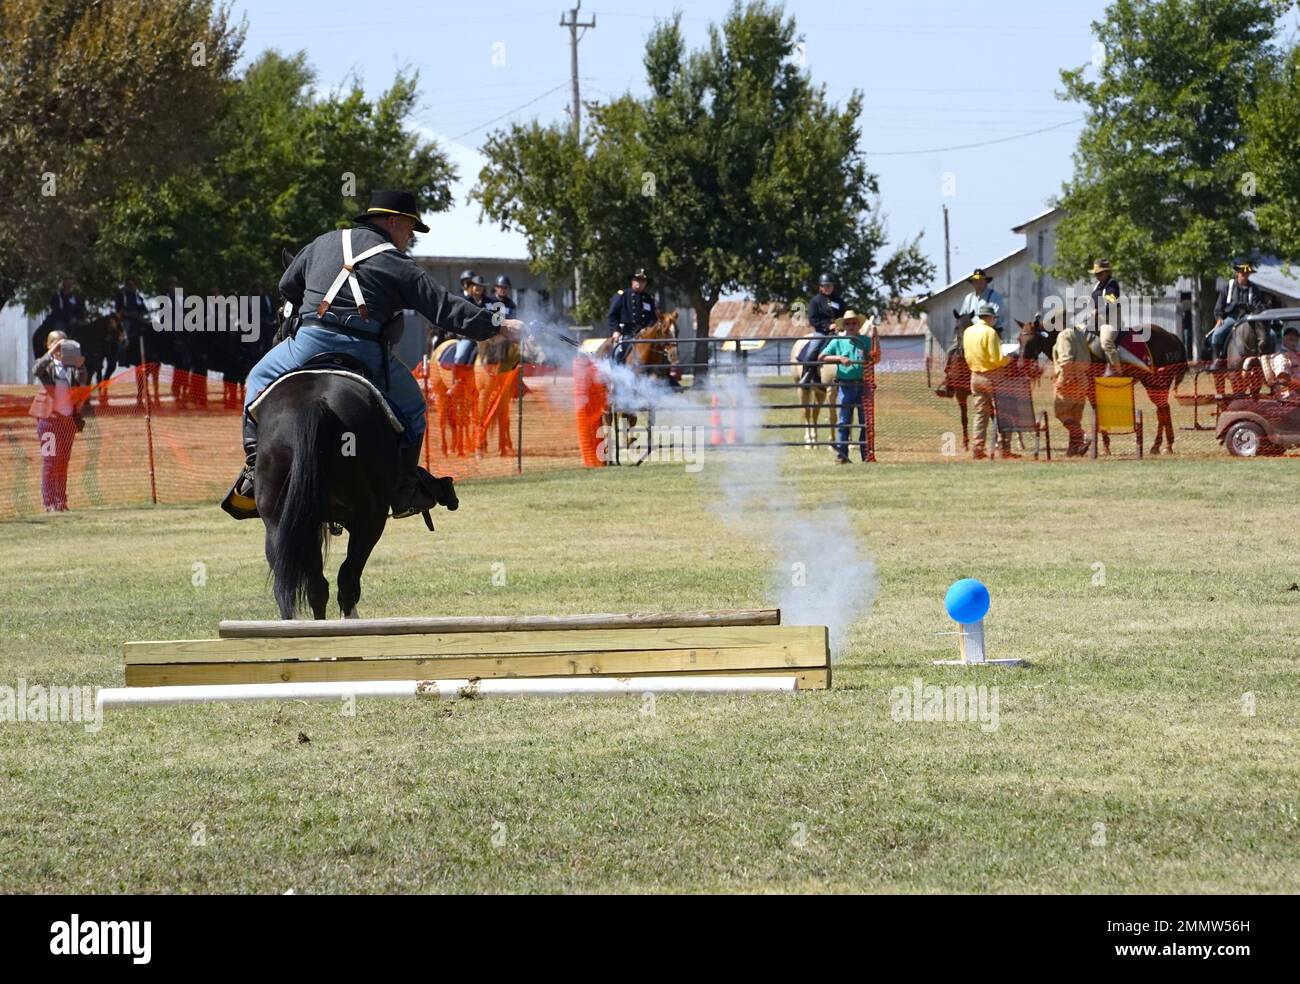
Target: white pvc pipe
<point>113,697</point>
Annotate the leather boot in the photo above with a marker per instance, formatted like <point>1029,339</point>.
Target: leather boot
<point>239,501</point>
<point>418,491</point>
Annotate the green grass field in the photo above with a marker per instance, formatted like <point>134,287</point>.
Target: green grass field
<point>1150,745</point>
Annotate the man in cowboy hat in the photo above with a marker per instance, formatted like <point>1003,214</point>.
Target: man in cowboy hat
<point>1239,298</point>
<point>1105,314</point>
<point>346,285</point>
<point>629,312</point>
<point>988,367</point>
<point>850,353</point>
<point>823,312</point>
<point>982,292</point>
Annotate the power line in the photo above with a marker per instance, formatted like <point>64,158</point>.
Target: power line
<point>512,112</point>
<point>969,146</point>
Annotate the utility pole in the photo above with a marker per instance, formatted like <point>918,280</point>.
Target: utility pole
<point>947,257</point>
<point>572,23</point>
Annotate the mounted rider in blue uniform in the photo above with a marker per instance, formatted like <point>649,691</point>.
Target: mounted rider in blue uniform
<point>346,286</point>
<point>503,300</point>
<point>472,288</point>
<point>629,312</point>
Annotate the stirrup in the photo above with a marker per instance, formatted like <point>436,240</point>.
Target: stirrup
<point>239,501</point>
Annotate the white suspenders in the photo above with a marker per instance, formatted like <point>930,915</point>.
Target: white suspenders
<point>349,263</point>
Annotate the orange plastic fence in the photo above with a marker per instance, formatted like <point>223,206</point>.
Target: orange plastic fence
<point>185,447</point>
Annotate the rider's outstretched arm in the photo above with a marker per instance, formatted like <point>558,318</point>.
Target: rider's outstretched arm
<point>422,293</point>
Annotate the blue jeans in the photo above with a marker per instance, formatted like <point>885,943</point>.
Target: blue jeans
<point>466,350</point>
<point>849,397</point>
<point>809,357</point>
<point>1219,337</point>
<point>404,393</point>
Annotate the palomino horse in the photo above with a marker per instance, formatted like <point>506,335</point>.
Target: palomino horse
<point>654,355</point>
<point>814,394</point>
<point>1166,367</point>
<point>498,360</point>
<point>956,375</point>
<point>455,392</point>
<point>471,398</point>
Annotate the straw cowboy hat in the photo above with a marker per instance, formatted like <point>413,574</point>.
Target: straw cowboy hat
<point>849,315</point>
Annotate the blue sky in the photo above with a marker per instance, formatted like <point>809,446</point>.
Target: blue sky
<point>937,75</point>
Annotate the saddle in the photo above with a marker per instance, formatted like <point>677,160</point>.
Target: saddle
<point>339,364</point>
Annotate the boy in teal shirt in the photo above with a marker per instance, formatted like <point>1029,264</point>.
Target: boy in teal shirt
<point>850,354</point>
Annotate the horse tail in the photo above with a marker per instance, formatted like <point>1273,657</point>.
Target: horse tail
<point>300,531</point>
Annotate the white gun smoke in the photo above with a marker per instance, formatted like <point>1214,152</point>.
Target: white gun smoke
<point>823,573</point>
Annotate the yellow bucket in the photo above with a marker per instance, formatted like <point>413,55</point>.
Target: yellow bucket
<point>1115,404</point>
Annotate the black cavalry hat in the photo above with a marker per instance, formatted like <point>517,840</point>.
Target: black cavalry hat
<point>393,203</point>
<point>640,274</point>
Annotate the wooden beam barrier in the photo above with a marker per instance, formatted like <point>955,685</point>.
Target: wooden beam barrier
<point>389,649</point>
<point>297,628</point>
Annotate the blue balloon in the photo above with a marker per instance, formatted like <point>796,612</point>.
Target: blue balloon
<point>967,601</point>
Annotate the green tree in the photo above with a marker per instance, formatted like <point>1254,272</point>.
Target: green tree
<point>291,165</point>
<point>1273,155</point>
<point>734,174</point>
<point>94,95</point>
<point>1160,184</point>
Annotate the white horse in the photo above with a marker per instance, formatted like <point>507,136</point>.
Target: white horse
<point>813,396</point>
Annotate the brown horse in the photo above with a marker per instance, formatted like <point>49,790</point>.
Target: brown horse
<point>654,355</point>
<point>956,375</point>
<point>1168,366</point>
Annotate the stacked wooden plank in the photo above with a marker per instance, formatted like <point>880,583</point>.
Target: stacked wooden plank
<point>709,643</point>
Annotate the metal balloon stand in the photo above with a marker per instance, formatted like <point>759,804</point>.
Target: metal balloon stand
<point>971,640</point>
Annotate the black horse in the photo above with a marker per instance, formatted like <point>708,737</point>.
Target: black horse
<point>327,455</point>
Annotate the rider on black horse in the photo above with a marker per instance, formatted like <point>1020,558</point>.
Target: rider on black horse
<point>346,285</point>
<point>1237,300</point>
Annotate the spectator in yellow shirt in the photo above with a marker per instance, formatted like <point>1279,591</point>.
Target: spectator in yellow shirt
<point>988,366</point>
